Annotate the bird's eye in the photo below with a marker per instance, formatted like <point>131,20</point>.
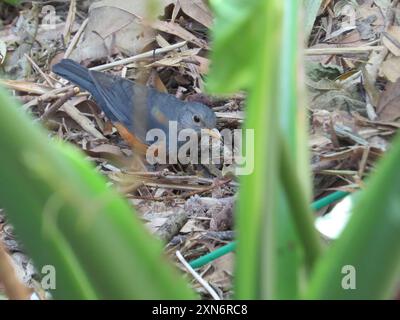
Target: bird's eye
<point>196,119</point>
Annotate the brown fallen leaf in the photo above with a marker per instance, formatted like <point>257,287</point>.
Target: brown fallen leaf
<point>177,30</point>
<point>175,59</point>
<point>369,22</point>
<point>116,26</point>
<point>391,68</point>
<point>25,86</point>
<point>3,51</point>
<point>389,104</point>
<point>220,276</point>
<point>139,8</point>
<point>391,39</point>
<point>204,64</point>
<point>105,151</point>
<point>198,10</point>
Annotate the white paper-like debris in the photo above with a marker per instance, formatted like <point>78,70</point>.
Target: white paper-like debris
<point>34,296</point>
<point>332,224</point>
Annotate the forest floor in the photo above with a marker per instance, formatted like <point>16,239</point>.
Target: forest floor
<point>353,79</point>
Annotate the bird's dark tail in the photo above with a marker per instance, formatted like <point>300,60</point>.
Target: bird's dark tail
<point>75,73</point>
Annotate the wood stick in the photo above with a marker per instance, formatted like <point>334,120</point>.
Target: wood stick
<point>140,56</point>
<point>335,51</point>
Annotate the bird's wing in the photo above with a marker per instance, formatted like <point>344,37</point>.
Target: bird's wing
<point>79,75</point>
<point>117,93</point>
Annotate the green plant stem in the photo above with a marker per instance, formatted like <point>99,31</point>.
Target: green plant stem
<point>302,214</point>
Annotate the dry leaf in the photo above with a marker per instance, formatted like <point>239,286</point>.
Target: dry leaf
<point>105,151</point>
<point>370,23</point>
<point>389,104</point>
<point>3,51</point>
<point>204,64</point>
<point>391,68</point>
<point>139,8</point>
<point>175,59</point>
<point>191,226</point>
<point>177,30</point>
<point>154,224</point>
<point>117,26</point>
<point>25,86</point>
<point>383,4</point>
<point>391,40</point>
<point>198,10</point>
<point>222,272</point>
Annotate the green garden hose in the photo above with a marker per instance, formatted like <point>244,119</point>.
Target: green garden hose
<point>210,257</point>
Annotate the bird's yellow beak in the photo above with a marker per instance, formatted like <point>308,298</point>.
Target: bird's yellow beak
<point>214,133</point>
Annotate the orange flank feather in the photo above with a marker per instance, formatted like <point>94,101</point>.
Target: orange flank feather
<point>134,142</point>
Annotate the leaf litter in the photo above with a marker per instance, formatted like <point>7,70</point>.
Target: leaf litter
<point>353,105</point>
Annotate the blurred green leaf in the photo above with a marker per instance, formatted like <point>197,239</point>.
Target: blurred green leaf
<point>244,35</point>
<point>67,217</point>
<point>290,263</point>
<point>370,243</point>
<point>13,2</point>
<point>237,33</point>
<point>266,63</point>
<point>311,11</point>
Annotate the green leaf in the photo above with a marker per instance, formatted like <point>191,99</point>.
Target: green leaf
<point>13,2</point>
<point>237,33</point>
<point>370,243</point>
<point>256,50</point>
<point>294,130</point>
<point>311,11</point>
<point>67,217</point>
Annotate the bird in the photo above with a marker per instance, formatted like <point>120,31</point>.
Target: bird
<point>134,109</point>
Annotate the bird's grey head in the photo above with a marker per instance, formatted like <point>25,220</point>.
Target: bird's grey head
<point>196,116</point>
